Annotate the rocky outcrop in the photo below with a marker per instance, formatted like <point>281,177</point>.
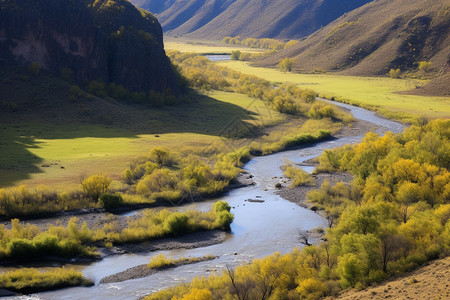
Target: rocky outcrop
<point>108,40</point>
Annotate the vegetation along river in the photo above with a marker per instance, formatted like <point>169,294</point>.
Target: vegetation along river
<point>258,229</point>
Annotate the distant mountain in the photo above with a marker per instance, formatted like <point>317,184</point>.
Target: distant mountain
<point>108,40</point>
<point>377,37</point>
<point>215,19</point>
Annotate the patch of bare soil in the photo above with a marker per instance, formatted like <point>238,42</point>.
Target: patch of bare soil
<point>144,271</point>
<point>188,241</point>
<point>429,282</point>
<point>298,194</point>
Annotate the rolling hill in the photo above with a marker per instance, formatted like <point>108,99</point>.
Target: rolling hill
<point>215,19</point>
<point>377,37</point>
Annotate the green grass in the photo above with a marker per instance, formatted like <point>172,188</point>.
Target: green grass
<point>37,153</point>
<point>205,47</point>
<point>32,280</point>
<point>160,261</point>
<point>377,93</point>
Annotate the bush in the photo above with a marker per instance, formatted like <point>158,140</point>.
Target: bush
<point>320,111</point>
<point>235,54</point>
<point>111,201</point>
<point>160,261</point>
<point>177,223</point>
<point>425,66</point>
<point>221,206</point>
<point>286,64</point>
<point>30,280</point>
<point>95,185</point>
<point>394,73</point>
<point>298,176</point>
<point>35,68</point>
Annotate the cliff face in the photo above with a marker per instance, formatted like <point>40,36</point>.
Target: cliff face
<point>108,40</point>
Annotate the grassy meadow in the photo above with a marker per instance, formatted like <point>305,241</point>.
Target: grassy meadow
<point>376,93</point>
<point>57,156</point>
<point>205,47</point>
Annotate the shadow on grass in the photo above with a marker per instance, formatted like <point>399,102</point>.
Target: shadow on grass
<point>32,111</point>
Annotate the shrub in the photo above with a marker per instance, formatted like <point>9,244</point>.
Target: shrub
<point>220,206</point>
<point>28,280</point>
<point>95,185</point>
<point>97,88</point>
<point>235,54</point>
<point>425,66</point>
<point>177,223</point>
<point>298,176</point>
<point>320,111</point>
<point>35,68</point>
<point>394,73</point>
<point>160,261</point>
<point>111,201</point>
<point>286,64</point>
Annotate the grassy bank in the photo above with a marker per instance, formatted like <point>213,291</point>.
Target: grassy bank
<point>392,218</point>
<point>26,242</point>
<point>375,93</point>
<point>29,281</point>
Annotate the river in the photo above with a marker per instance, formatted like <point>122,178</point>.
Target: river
<point>258,229</point>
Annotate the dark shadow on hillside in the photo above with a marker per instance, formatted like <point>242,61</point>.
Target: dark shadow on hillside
<point>42,110</point>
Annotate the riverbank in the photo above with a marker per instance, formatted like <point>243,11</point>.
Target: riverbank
<point>298,195</point>
<point>144,270</point>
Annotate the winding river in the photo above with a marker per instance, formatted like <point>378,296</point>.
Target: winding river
<point>259,229</point>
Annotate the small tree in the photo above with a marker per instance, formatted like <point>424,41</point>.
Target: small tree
<point>425,66</point>
<point>394,73</point>
<point>95,185</point>
<point>235,54</point>
<point>286,64</point>
<point>35,68</point>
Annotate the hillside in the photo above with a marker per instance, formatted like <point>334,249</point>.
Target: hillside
<point>428,282</point>
<point>108,40</point>
<point>375,38</point>
<point>215,19</point>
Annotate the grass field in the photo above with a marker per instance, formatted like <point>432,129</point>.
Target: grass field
<point>204,47</point>
<point>377,93</point>
<point>57,156</point>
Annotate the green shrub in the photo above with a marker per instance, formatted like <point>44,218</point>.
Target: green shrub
<point>298,176</point>
<point>235,54</point>
<point>177,223</point>
<point>111,201</point>
<point>160,261</point>
<point>95,185</point>
<point>286,64</point>
<point>28,280</point>
<point>320,111</point>
<point>395,73</point>
<point>220,206</point>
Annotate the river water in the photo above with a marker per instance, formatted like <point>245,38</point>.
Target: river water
<point>258,229</point>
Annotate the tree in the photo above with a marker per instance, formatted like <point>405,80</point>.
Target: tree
<point>235,54</point>
<point>95,185</point>
<point>286,64</point>
<point>35,68</point>
<point>425,66</point>
<point>394,73</point>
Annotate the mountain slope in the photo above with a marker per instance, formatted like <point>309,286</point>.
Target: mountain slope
<point>372,39</point>
<point>109,40</point>
<point>215,19</point>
